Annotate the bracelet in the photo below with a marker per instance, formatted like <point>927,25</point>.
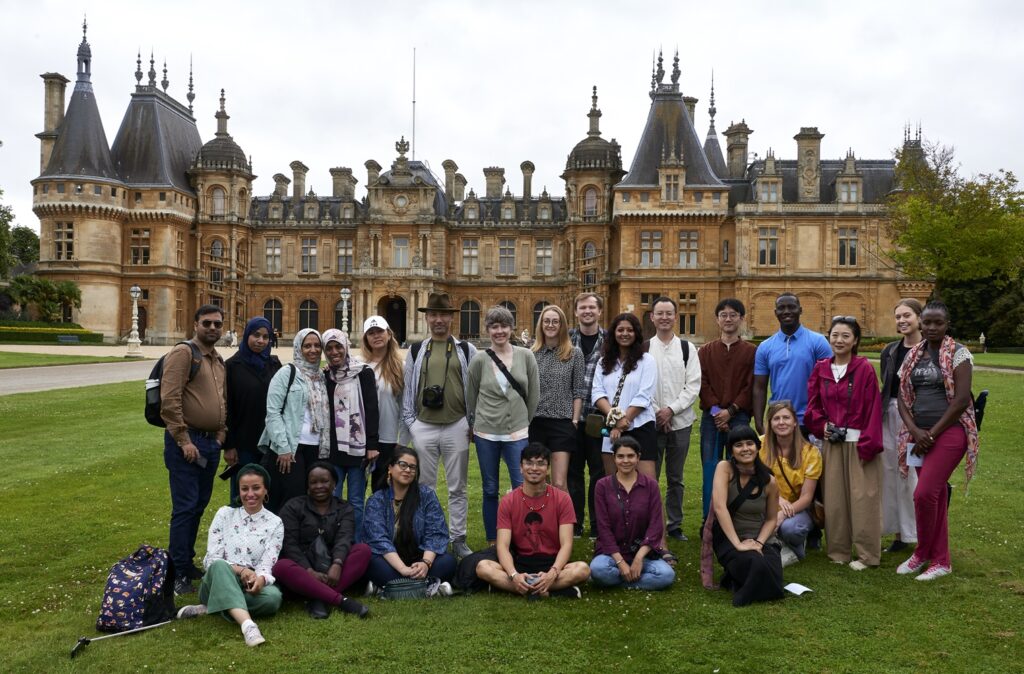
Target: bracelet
<point>512,577</point>
<point>555,569</point>
<point>759,542</point>
<point>621,561</point>
<point>428,563</point>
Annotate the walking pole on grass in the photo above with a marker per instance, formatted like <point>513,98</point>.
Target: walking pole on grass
<point>85,641</point>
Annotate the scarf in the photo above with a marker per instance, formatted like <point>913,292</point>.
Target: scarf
<point>908,395</point>
<point>349,413</point>
<point>316,393</point>
<point>257,360</point>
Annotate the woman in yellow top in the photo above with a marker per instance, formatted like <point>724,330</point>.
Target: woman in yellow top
<point>797,467</point>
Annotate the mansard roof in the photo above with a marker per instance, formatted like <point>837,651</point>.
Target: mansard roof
<point>877,175</point>
<point>416,173</point>
<point>328,208</point>
<point>527,210</point>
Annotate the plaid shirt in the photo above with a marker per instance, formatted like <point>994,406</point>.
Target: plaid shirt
<point>592,361</point>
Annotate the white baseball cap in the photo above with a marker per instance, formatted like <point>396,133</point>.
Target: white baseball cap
<point>375,322</point>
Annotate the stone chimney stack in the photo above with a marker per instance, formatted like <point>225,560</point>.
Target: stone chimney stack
<point>495,178</point>
<point>450,168</point>
<point>299,179</point>
<point>737,136</point>
<point>459,191</point>
<point>344,182</point>
<point>808,151</point>
<point>54,86</point>
<point>372,172</point>
<point>691,105</point>
<point>528,168</point>
<point>281,183</point>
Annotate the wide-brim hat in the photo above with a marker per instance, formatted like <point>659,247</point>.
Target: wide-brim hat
<point>440,302</point>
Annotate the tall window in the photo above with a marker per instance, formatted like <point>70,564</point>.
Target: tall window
<point>471,260</point>
<point>589,251</point>
<point>650,249</point>
<point>339,314</point>
<point>590,277</point>
<point>401,252</point>
<point>671,188</point>
<point>469,320</point>
<point>139,246</point>
<point>507,257</point>
<point>308,256</point>
<point>508,304</point>
<point>309,315</point>
<point>847,247</point>
<point>507,213</point>
<point>538,308</point>
<point>219,198</point>
<point>217,249</point>
<point>63,241</point>
<point>179,309</point>
<point>848,192</point>
<point>770,192</point>
<point>217,278</point>
<point>273,256</point>
<point>345,256</point>
<point>545,260</point>
<point>768,245</point>
<point>688,313</point>
<point>179,253</point>
<point>590,201</point>
<point>273,312</point>
<point>688,249</point>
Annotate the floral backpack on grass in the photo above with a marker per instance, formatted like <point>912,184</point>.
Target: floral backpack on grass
<point>139,592</point>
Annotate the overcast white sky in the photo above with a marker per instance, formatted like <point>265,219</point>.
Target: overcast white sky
<point>330,83</point>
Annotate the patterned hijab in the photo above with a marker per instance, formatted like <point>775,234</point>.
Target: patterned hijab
<point>316,392</point>
<point>349,412</point>
<point>257,360</point>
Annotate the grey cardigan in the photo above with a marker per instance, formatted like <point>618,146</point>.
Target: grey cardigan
<point>500,412</point>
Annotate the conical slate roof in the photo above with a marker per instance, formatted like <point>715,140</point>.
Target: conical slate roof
<point>713,152</point>
<point>157,141</point>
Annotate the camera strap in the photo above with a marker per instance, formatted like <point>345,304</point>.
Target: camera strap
<point>447,360</point>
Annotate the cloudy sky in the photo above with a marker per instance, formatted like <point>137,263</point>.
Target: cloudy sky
<point>331,83</point>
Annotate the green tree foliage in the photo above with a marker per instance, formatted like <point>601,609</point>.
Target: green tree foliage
<point>6,257</point>
<point>48,298</point>
<point>24,245</point>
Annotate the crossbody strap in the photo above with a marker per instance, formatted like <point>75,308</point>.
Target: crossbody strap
<point>291,379</point>
<point>508,375</point>
<point>618,389</point>
<point>778,460</point>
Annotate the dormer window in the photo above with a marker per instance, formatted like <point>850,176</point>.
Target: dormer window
<point>506,213</point>
<point>544,213</point>
<point>671,188</point>
<point>848,192</point>
<point>770,192</point>
<point>471,212</point>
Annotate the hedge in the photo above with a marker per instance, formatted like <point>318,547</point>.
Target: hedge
<point>10,335</point>
<point>9,323</point>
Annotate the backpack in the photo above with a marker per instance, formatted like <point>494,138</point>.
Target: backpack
<point>139,591</point>
<point>415,349</point>
<point>153,384</point>
<point>683,345</point>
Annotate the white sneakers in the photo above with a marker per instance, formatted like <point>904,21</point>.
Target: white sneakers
<point>935,571</point>
<point>858,565</point>
<point>192,611</point>
<point>788,556</point>
<point>252,634</point>
<point>444,589</point>
<point>912,565</point>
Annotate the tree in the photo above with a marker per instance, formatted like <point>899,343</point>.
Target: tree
<point>24,245</point>
<point>6,258</point>
<point>48,298</point>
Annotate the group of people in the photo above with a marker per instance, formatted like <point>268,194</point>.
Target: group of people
<point>298,437</point>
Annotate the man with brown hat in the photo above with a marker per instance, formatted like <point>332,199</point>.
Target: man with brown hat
<point>434,410</point>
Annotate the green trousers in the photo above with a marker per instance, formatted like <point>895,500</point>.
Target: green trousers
<point>222,590</point>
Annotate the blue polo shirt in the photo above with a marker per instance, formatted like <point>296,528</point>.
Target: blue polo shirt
<point>788,361</point>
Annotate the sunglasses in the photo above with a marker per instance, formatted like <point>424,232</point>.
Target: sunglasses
<point>844,319</point>
<point>402,465</point>
<point>212,324</point>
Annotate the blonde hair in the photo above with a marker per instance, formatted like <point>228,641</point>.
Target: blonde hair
<point>564,343</point>
<point>390,367</point>
<point>771,442</point>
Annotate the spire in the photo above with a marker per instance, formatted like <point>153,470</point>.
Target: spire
<point>675,68</point>
<point>84,61</point>
<point>661,69</point>
<point>164,83</point>
<point>594,115</point>
<point>654,76</point>
<point>190,96</point>
<point>138,68</point>
<point>152,69</point>
<point>712,109</point>
<point>222,118</point>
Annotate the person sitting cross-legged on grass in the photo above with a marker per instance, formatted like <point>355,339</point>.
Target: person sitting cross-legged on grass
<point>534,543</point>
<point>630,526</point>
<point>242,548</point>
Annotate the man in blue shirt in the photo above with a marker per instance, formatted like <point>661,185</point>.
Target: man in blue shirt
<point>786,358</point>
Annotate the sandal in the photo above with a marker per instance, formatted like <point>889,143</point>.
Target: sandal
<point>670,559</point>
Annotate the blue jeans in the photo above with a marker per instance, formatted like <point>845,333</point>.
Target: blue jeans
<point>355,478</point>
<point>712,449</point>
<point>191,486</point>
<point>380,571</point>
<point>489,454</point>
<point>656,574</point>
<point>794,530</point>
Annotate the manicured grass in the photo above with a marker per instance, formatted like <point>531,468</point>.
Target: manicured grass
<point>10,359</point>
<point>1011,360</point>
<point>84,484</point>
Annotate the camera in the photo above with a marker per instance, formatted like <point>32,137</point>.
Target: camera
<point>433,397</point>
<point>835,434</point>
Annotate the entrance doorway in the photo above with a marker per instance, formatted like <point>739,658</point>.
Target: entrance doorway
<point>393,311</point>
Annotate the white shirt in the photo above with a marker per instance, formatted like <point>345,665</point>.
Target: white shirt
<point>247,540</point>
<point>678,386</point>
<point>637,391</point>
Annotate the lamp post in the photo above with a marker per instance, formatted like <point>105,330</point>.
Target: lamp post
<point>346,295</point>
<point>134,343</point>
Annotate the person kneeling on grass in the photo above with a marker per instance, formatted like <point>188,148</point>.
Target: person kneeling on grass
<point>534,542</point>
<point>242,548</point>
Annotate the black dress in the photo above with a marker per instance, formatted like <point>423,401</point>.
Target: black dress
<point>753,576</point>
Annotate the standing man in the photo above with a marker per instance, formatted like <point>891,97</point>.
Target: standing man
<point>589,337</point>
<point>726,388</point>
<point>194,411</point>
<point>786,359</point>
<point>434,410</point>
<point>679,378</point>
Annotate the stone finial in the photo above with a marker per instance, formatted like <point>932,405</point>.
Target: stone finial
<point>191,94</point>
<point>138,67</point>
<point>661,69</point>
<point>594,115</point>
<point>222,117</point>
<point>152,69</point>
<point>402,146</point>
<point>164,83</point>
<point>654,76</point>
<point>712,109</point>
<point>675,68</point>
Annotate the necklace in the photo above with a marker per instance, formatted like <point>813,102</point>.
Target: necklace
<point>396,505</point>
<point>542,496</point>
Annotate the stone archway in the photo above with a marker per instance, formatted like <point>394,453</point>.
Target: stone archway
<point>393,309</point>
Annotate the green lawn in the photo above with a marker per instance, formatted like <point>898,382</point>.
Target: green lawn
<point>10,359</point>
<point>87,485</point>
<point>1012,360</point>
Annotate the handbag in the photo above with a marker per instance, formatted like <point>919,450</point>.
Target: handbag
<point>318,555</point>
<point>596,423</point>
<point>411,588</point>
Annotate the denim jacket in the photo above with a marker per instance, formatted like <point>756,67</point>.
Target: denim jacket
<point>282,432</point>
<point>428,523</point>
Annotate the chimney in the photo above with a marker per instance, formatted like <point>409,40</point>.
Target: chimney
<point>372,172</point>
<point>450,167</point>
<point>459,191</point>
<point>808,160</point>
<point>54,85</point>
<point>344,182</point>
<point>528,168</point>
<point>281,185</point>
<point>299,179</point>
<point>494,178</point>
<point>737,136</point>
<point>691,105</point>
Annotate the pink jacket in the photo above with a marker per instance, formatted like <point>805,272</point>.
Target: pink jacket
<point>827,400</point>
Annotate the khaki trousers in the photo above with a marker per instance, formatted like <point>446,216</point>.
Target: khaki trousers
<point>853,513</point>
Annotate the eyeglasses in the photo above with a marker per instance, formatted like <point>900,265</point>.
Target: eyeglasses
<point>213,324</point>
<point>729,315</point>
<point>844,319</point>
<point>551,321</point>
<point>402,465</point>
<point>540,463</point>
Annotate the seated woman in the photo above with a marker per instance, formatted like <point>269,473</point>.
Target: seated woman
<point>320,573</point>
<point>796,465</point>
<point>241,551</point>
<point>405,528</point>
<point>630,525</point>
<point>744,509</point>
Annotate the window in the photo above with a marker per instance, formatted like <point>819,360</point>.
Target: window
<point>273,312</point>
<point>538,308</point>
<point>139,246</point>
<point>589,250</point>
<point>688,249</point>
<point>471,212</point>
<point>308,256</point>
<point>848,192</point>
<point>217,278</point>
<point>698,197</point>
<point>163,196</point>
<point>46,188</point>
<point>401,252</point>
<point>590,201</point>
<point>345,256</point>
<point>644,197</point>
<point>469,320</point>
<point>769,192</point>
<point>716,197</point>
<point>647,299</point>
<point>79,187</point>
<point>590,277</point>
<point>847,247</point>
<point>97,189</point>
<point>340,310</point>
<point>217,249</point>
<point>688,313</point>
<point>63,241</point>
<point>60,188</point>
<point>138,196</point>
<point>625,197</point>
<point>506,213</point>
<point>309,315</point>
<point>219,198</point>
<point>179,309</point>
<point>512,309</point>
<point>544,213</point>
<point>179,250</point>
<point>273,256</point>
<point>545,260</point>
<point>725,251</point>
<point>768,245</point>
<point>506,257</point>
<point>217,301</point>
<point>471,259</point>
<point>650,249</point>
<point>113,191</point>
<point>671,188</point>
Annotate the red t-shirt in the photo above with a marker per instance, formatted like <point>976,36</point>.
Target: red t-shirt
<point>534,521</point>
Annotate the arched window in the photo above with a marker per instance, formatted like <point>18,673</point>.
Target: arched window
<point>219,198</point>
<point>217,249</point>
<point>273,312</point>
<point>469,320</point>
<point>590,201</point>
<point>537,309</point>
<point>339,314</point>
<point>508,304</point>
<point>309,315</point>
<point>589,251</point>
